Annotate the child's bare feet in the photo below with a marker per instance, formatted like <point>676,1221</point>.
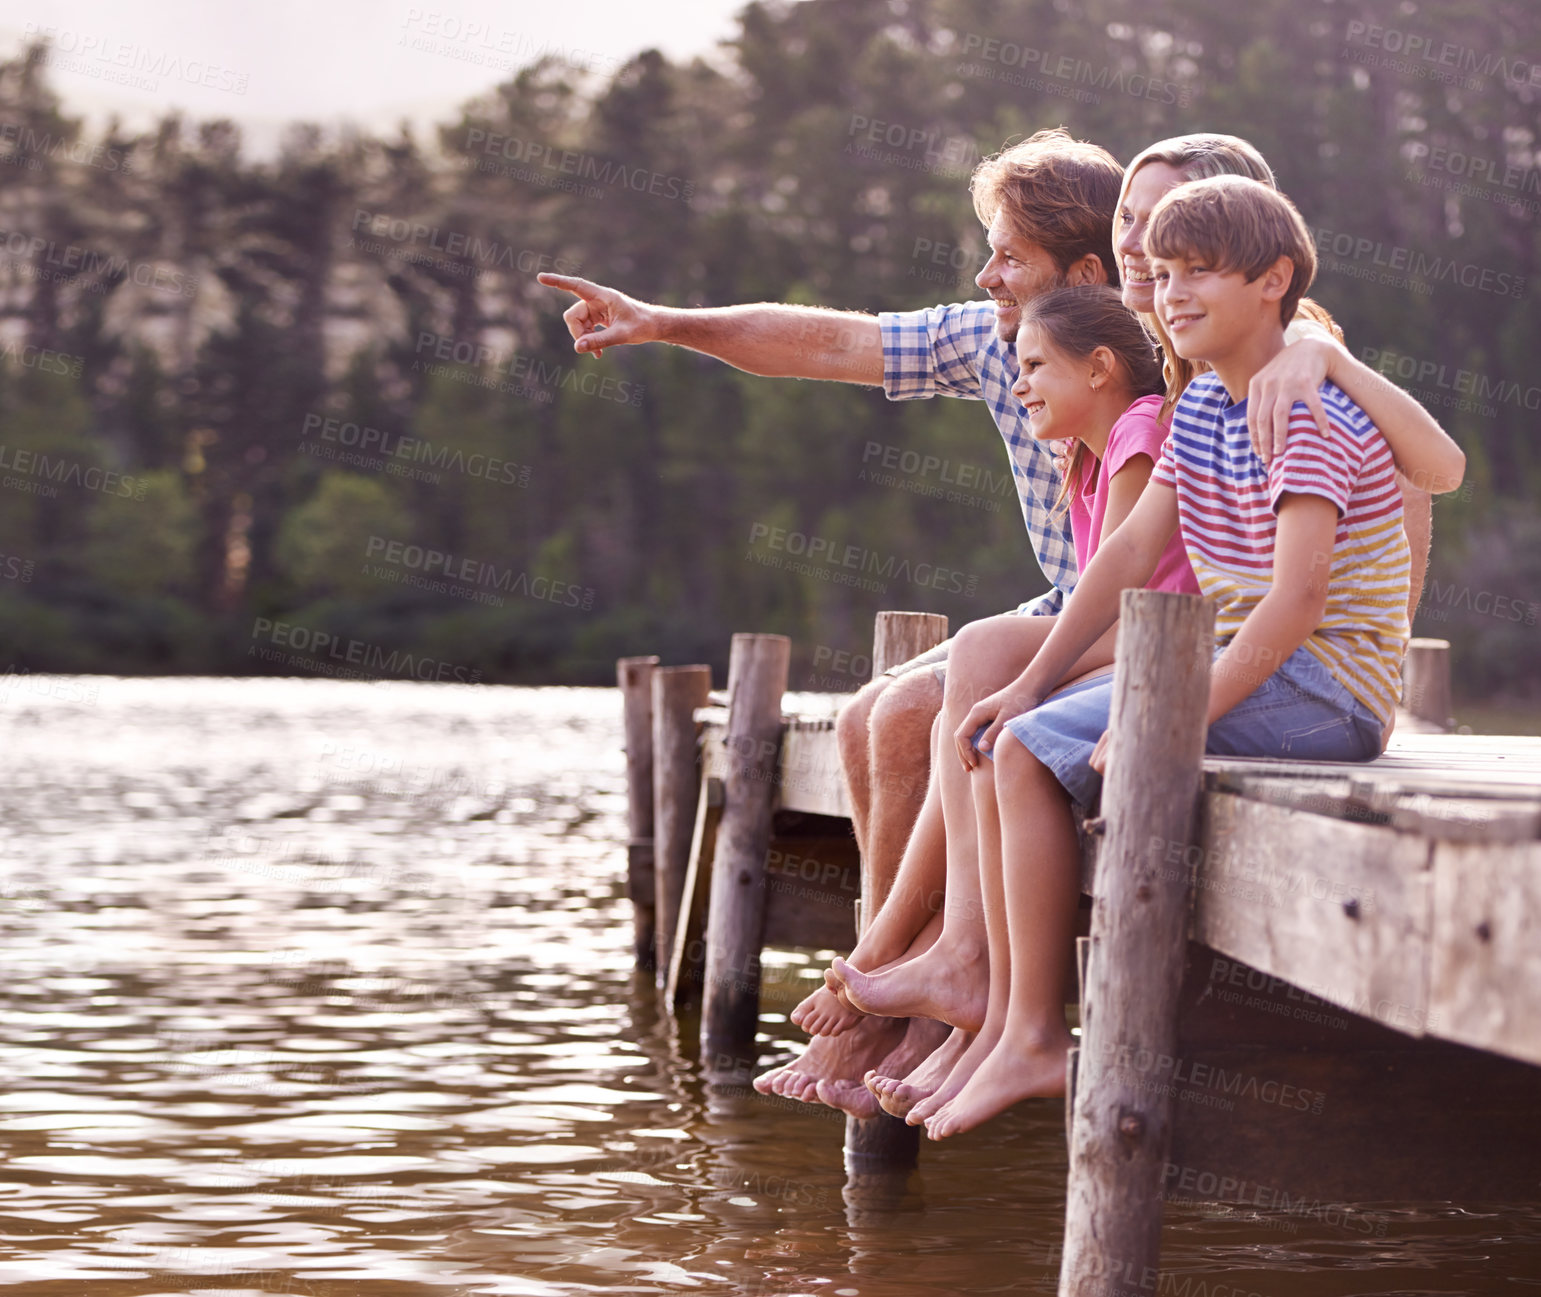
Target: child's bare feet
<point>847,1055</point>
<point>973,1056</point>
<point>1018,1068</point>
<point>822,1014</point>
<point>898,1095</point>
<point>950,983</point>
<point>850,1095</point>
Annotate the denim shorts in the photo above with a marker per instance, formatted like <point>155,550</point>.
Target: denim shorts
<point>1301,712</point>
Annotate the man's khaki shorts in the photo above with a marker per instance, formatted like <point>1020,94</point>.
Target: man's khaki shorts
<point>935,658</point>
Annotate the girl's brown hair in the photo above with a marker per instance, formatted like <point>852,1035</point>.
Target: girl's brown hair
<point>1198,157</point>
<point>1075,322</point>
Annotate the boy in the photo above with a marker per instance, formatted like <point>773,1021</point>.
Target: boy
<point>1305,557</point>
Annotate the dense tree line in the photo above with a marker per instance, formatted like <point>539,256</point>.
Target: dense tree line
<point>313,414</point>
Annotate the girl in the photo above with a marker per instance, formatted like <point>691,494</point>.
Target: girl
<point>1089,373</point>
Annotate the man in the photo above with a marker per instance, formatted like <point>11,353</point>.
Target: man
<point>1047,205</point>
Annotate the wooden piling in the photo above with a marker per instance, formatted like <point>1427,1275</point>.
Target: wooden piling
<point>883,1140</point>
<point>1120,1126</point>
<point>634,676</point>
<point>677,692</point>
<point>731,1006</point>
<point>1426,681</point>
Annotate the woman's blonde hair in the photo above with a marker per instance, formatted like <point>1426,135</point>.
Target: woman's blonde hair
<point>1197,157</point>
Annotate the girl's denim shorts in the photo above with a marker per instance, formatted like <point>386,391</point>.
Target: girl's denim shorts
<point>1301,711</point>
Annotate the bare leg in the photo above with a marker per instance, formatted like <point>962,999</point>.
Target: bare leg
<point>830,1069</point>
<point>949,981</point>
<point>986,809</point>
<point>884,738</point>
<point>884,745</point>
<point>1040,885</point>
<point>897,1095</point>
<point>853,1096</point>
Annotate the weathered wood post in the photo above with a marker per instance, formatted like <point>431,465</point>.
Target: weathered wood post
<point>634,676</point>
<point>757,677</point>
<point>1426,681</point>
<point>677,692</point>
<point>1121,1121</point>
<point>897,637</point>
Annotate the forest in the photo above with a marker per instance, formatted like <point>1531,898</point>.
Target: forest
<point>312,415</point>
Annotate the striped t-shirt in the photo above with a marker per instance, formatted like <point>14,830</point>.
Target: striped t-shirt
<point>1227,500</point>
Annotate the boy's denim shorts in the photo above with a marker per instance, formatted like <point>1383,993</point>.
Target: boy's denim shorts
<point>1301,711</point>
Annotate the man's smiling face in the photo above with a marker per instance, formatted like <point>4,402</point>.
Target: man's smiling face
<point>1018,271</point>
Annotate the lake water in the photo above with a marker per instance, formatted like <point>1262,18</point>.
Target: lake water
<point>321,987</point>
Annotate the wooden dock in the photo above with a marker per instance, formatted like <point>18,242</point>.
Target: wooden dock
<point>1346,1002</point>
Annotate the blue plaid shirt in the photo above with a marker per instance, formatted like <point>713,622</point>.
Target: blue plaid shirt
<point>954,351</point>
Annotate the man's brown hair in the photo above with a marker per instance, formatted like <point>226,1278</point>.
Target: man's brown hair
<point>1232,223</point>
<point>1055,191</point>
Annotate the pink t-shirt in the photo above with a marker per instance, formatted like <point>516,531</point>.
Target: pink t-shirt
<point>1136,432</point>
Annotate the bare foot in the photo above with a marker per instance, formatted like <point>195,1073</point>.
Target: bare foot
<point>973,1056</point>
<point>833,1058</point>
<point>947,983</point>
<point>1016,1069</point>
<point>851,1095</point>
<point>897,1094</point>
<point>822,1014</point>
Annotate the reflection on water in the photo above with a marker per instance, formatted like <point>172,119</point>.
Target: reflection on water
<point>318,987</point>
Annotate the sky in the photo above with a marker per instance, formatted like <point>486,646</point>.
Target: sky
<point>374,62</point>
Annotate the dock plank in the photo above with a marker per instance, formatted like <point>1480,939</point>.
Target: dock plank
<point>1337,908</point>
<point>1486,957</point>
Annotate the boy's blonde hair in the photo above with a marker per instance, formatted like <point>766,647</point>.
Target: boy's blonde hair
<point>1055,191</point>
<point>1233,223</point>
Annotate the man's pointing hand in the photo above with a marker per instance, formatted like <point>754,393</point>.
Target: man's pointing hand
<point>602,317</point>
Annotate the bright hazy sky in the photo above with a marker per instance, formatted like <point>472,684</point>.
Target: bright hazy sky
<point>373,61</point>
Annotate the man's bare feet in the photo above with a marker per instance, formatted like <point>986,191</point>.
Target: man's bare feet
<point>851,1095</point>
<point>897,1094</point>
<point>949,983</point>
<point>834,1058</point>
<point>822,1014</point>
<point>1016,1069</point>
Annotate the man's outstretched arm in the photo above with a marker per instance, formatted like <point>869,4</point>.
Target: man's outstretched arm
<point>769,339</point>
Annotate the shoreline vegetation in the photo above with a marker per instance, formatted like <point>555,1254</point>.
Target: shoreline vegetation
<point>230,388</point>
